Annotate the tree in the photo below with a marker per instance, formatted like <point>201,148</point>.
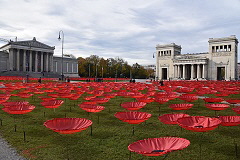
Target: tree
<point>94,66</point>
<point>82,67</point>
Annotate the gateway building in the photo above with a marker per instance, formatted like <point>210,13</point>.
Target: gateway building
<point>219,63</point>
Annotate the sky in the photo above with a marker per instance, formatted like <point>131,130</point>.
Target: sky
<point>129,29</point>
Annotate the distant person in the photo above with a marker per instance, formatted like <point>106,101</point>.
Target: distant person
<point>68,79</point>
<point>161,82</point>
<point>40,80</point>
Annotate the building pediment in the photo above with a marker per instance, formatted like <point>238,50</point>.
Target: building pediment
<point>32,43</point>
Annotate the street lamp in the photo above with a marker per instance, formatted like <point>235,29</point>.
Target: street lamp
<point>59,38</point>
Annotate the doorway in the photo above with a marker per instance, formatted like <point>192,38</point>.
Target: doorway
<point>164,73</point>
<point>220,73</point>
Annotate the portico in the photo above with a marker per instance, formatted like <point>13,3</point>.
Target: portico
<point>190,69</point>
<point>31,56</point>
<point>220,63</point>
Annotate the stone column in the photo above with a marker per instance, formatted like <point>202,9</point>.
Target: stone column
<point>36,61</point>
<point>206,71</point>
<point>156,71</point>
<point>51,62</point>
<point>30,61</point>
<point>41,61</point>
<point>18,59</point>
<point>24,60</point>
<point>198,71</point>
<point>203,72</point>
<point>192,71</point>
<point>77,67</point>
<point>174,71</point>
<point>11,59</point>
<point>47,61</point>
<point>72,67</point>
<point>178,71</point>
<point>160,73</point>
<point>184,71</point>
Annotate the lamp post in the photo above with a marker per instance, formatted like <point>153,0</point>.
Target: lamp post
<point>59,38</point>
<point>102,71</point>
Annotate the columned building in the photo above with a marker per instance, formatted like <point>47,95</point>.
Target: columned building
<point>34,56</point>
<point>220,63</point>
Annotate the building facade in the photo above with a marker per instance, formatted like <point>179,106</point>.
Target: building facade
<point>34,56</point>
<point>220,63</point>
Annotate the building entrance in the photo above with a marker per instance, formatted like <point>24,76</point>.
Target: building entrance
<point>220,73</point>
<point>164,73</point>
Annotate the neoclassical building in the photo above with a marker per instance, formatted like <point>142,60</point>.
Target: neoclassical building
<point>219,63</point>
<point>34,56</point>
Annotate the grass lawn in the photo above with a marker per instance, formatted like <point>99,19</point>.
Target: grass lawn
<point>110,137</point>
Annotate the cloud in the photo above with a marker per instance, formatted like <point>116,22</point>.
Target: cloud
<point>128,29</point>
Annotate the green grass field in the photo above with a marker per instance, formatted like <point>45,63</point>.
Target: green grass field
<point>110,137</point>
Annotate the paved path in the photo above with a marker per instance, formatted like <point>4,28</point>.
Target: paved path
<point>8,153</point>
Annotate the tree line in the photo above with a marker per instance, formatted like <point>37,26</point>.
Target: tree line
<point>94,66</point>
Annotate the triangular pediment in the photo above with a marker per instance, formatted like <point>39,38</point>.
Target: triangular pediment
<point>33,43</point>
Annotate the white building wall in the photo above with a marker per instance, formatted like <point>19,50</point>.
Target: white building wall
<point>212,60</point>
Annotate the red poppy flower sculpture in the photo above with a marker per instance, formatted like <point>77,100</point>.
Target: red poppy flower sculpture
<point>3,99</point>
<point>68,125</point>
<point>14,103</point>
<point>158,146</point>
<point>230,120</point>
<point>110,95</point>
<point>100,100</point>
<point>39,92</point>
<point>90,102</point>
<point>171,118</point>
<point>133,105</point>
<point>24,95</point>
<point>65,95</point>
<point>53,95</point>
<point>44,98</point>
<point>198,123</point>
<point>145,99</point>
<point>161,100</point>
<point>89,97</point>
<point>133,117</point>
<point>52,103</point>
<point>184,106</point>
<point>20,109</point>
<point>233,101</point>
<point>91,107</point>
<point>236,109</point>
<point>188,98</point>
<point>217,107</point>
<point>213,100</point>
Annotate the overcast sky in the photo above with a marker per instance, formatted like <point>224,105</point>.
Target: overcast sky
<point>129,29</point>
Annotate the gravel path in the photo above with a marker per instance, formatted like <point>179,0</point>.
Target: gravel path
<point>7,152</point>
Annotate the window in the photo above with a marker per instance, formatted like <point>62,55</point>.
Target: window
<point>225,48</point>
<point>229,48</point>
<point>67,66</point>
<point>56,66</point>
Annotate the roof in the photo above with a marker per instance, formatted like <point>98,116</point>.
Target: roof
<point>31,43</point>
